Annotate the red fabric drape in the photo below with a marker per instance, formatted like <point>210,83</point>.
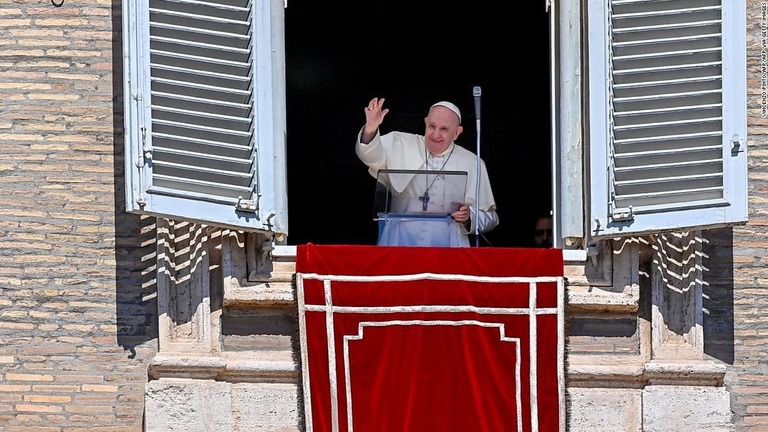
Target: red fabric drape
<point>422,339</point>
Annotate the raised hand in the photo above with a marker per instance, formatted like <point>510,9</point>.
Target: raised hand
<point>374,116</point>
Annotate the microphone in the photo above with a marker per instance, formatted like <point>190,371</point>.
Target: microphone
<point>476,93</point>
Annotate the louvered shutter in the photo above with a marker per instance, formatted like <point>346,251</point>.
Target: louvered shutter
<point>667,102</point>
<point>205,111</point>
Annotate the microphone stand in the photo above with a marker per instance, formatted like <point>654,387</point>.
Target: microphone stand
<point>476,92</point>
<point>477,188</point>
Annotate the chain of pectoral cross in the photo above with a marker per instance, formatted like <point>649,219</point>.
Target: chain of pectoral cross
<point>425,198</point>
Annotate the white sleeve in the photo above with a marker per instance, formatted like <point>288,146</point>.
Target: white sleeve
<point>372,154</point>
<point>487,219</point>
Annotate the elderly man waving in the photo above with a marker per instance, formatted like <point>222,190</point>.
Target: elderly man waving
<point>436,151</point>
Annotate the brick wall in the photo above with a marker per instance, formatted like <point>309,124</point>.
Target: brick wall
<point>748,378</point>
<point>77,307</point>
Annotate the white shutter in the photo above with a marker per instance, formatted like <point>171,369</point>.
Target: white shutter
<point>667,101</point>
<point>205,111</point>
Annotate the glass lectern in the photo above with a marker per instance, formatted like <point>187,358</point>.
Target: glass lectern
<point>413,207</point>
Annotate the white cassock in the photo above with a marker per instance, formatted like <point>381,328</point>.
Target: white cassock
<point>405,151</point>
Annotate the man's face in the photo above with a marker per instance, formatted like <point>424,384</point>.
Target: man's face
<point>542,236</point>
<point>442,127</point>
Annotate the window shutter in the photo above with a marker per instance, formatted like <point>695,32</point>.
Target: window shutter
<point>205,111</point>
<point>667,101</point>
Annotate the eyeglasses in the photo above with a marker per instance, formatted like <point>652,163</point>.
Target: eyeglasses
<point>541,232</point>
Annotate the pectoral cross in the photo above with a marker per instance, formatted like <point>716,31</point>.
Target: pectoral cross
<point>425,200</point>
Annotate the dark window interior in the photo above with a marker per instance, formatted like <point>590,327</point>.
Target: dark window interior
<point>342,53</point>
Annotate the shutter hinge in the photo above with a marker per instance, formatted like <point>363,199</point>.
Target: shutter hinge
<point>146,153</point>
<point>245,205</point>
<point>622,214</point>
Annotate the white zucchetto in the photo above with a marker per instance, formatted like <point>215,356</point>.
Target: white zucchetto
<point>450,106</point>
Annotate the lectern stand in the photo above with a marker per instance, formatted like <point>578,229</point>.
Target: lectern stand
<point>413,207</point>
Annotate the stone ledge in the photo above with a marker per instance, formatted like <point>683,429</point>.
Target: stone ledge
<point>267,294</point>
<point>282,271</point>
<point>588,299</point>
<point>602,371</point>
<point>633,372</point>
<point>276,289</point>
<point>287,252</point>
<point>242,366</point>
<point>703,372</point>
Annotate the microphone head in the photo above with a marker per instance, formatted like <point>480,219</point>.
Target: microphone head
<point>476,91</point>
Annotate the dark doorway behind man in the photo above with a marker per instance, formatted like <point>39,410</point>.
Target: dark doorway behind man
<point>340,54</point>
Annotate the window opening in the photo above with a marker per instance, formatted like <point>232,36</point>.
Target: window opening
<point>340,54</point>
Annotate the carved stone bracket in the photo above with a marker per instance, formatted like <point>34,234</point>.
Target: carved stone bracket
<point>183,286</point>
<point>608,281</point>
<point>259,256</point>
<point>255,272</point>
<point>676,284</point>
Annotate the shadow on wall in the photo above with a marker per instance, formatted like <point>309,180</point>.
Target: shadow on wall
<point>718,294</point>
<point>683,261</point>
<point>136,281</point>
<point>135,236</point>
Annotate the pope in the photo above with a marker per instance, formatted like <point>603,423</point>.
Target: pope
<point>436,150</point>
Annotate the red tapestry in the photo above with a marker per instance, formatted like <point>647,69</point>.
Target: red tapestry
<point>431,339</point>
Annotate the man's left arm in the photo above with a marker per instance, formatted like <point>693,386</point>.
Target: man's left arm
<point>486,219</point>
